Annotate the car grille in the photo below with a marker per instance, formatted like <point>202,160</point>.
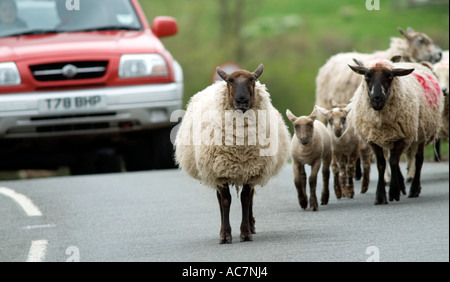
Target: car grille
<point>69,70</point>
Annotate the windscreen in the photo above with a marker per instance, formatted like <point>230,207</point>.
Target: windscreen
<point>21,17</point>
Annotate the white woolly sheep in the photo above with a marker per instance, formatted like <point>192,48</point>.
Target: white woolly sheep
<point>232,135</point>
<point>310,145</point>
<point>394,110</point>
<point>347,147</point>
<point>335,81</point>
<point>441,70</point>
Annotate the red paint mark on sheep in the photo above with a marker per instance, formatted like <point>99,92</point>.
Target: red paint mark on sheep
<point>431,88</point>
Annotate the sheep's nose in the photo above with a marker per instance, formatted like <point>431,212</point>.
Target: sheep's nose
<point>242,100</point>
<point>377,99</point>
<point>304,140</point>
<point>445,91</point>
<point>439,56</point>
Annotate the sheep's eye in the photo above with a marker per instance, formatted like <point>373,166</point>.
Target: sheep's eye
<point>423,40</point>
<point>297,126</point>
<point>343,119</point>
<point>330,121</point>
<point>230,80</point>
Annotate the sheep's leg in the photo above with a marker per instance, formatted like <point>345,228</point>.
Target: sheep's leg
<point>335,169</point>
<point>415,189</point>
<point>387,174</point>
<point>342,162</point>
<point>358,171</point>
<point>437,150</point>
<point>326,179</point>
<point>250,213</point>
<point>300,183</point>
<point>381,166</point>
<point>224,198</point>
<point>312,185</point>
<point>352,159</point>
<point>246,195</point>
<point>365,159</point>
<point>397,181</point>
<point>410,167</point>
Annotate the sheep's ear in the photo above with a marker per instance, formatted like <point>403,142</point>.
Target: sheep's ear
<point>358,62</point>
<point>290,116</point>
<point>333,103</point>
<point>358,69</point>
<point>410,30</point>
<point>313,115</point>
<point>427,64</point>
<point>222,73</point>
<point>401,72</point>
<point>404,33</point>
<point>258,71</point>
<point>396,59</point>
<point>322,111</point>
<point>348,108</point>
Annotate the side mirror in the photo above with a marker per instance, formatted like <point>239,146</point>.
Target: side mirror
<point>164,26</point>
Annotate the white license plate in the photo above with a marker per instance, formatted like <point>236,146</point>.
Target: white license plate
<point>63,104</point>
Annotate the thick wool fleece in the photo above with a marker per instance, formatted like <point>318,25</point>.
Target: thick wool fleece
<point>209,153</point>
<point>336,81</point>
<point>441,69</point>
<point>412,111</point>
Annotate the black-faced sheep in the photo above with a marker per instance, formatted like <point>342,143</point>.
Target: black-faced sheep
<point>347,148</point>
<point>232,135</point>
<point>397,105</point>
<point>335,81</point>
<point>310,145</point>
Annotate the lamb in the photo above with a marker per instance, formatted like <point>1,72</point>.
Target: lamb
<point>310,145</point>
<point>347,147</point>
<point>395,110</point>
<point>336,81</point>
<point>217,143</point>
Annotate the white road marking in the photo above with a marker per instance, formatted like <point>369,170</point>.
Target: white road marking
<point>24,202</point>
<point>28,227</point>
<point>37,251</point>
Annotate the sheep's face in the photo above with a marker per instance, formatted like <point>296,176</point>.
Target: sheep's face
<point>421,46</point>
<point>241,87</point>
<point>442,74</point>
<point>303,126</point>
<point>336,119</point>
<point>379,79</point>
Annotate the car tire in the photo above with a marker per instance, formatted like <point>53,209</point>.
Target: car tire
<point>154,150</point>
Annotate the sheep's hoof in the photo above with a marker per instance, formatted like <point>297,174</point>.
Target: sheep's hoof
<point>303,203</point>
<point>226,239</point>
<point>324,199</point>
<point>314,208</point>
<point>246,237</point>
<point>381,200</point>
<point>364,189</point>
<point>414,193</point>
<point>394,195</point>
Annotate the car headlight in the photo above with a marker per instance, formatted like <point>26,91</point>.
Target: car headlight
<point>9,74</point>
<point>141,65</point>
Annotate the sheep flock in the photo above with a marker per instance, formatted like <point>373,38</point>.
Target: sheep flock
<point>382,104</point>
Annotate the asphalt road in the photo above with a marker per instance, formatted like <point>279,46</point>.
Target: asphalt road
<point>166,216</point>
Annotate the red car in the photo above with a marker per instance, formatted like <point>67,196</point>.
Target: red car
<point>85,84</point>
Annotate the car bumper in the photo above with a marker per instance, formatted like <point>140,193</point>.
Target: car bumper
<point>123,109</point>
